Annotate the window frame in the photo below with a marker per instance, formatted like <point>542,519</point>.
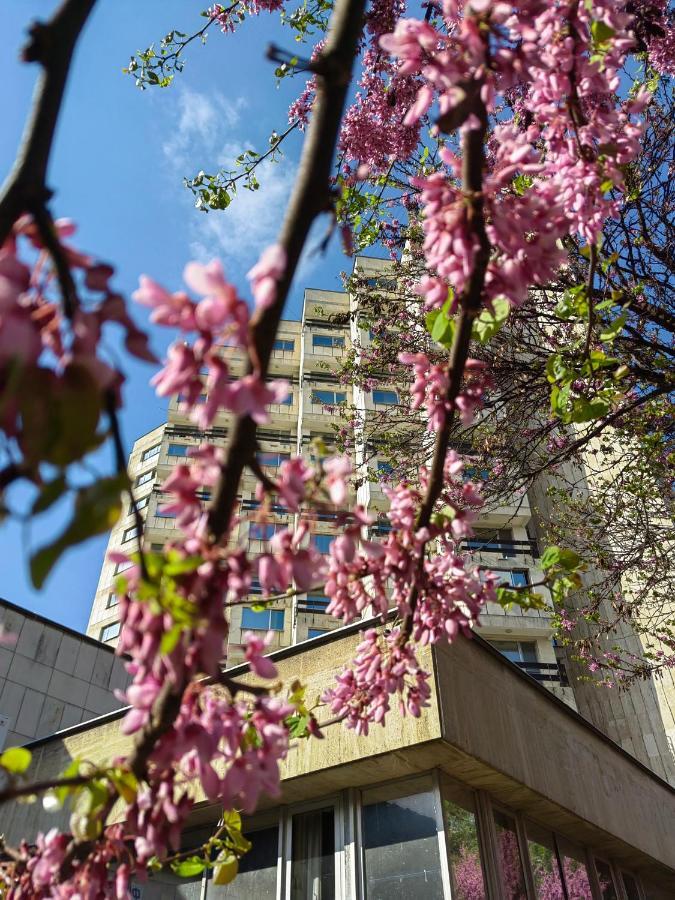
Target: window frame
<point>382,392</point>
<point>328,341</point>
<point>151,452</point>
<point>269,627</point>
<point>316,400</point>
<point>105,628</point>
<point>145,477</point>
<point>282,349</point>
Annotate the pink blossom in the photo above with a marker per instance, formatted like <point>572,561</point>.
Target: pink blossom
<point>255,648</point>
<point>266,273</point>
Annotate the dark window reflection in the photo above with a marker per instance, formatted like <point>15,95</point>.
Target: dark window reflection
<point>257,875</point>
<point>513,880</point>
<point>400,849</point>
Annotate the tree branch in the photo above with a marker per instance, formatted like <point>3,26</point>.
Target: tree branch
<point>311,196</point>
<point>51,44</point>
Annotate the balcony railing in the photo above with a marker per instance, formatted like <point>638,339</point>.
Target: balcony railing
<point>503,548</point>
<point>545,673</point>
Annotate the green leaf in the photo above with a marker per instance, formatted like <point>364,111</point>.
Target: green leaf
<point>50,493</point>
<point>97,508</point>
<point>225,869</point>
<point>188,868</point>
<point>601,32</point>
<point>16,760</point>
<point>588,410</point>
<point>488,324</point>
<point>614,328</point>
<point>560,557</point>
<point>59,414</point>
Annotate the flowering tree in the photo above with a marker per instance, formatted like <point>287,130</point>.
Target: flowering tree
<point>504,130</point>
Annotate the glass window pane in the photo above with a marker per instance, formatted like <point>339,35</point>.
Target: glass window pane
<point>277,619</point>
<point>605,880</point>
<point>513,880</point>
<point>630,886</point>
<point>544,861</point>
<point>313,855</point>
<point>519,578</point>
<point>574,870</point>
<point>257,875</point>
<point>167,886</point>
<point>178,449</point>
<point>385,398</point>
<point>400,848</point>
<point>528,651</point>
<point>466,873</point>
<point>322,542</point>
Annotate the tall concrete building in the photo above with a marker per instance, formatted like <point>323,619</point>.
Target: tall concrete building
<point>307,353</point>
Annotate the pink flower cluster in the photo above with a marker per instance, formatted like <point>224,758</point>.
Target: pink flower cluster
<point>220,318</point>
<point>381,668</point>
<point>575,145</point>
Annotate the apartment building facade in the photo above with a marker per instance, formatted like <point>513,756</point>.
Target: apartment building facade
<point>307,354</point>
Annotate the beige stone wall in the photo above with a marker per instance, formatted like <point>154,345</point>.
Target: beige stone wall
<point>488,726</point>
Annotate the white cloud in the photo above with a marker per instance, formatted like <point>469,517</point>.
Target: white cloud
<point>210,131</point>
<point>200,124</point>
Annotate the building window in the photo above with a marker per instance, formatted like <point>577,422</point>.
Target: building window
<point>178,449</point>
<point>385,398</point>
<point>384,467</point>
<point>141,503</point>
<point>327,340</point>
<point>515,578</point>
<point>122,566</point>
<point>262,620</point>
<point>544,862</point>
<point>508,853</point>
<point>316,632</point>
<point>151,452</point>
<point>272,459</point>
<point>605,880</point>
<point>400,843</point>
<point>262,531</point>
<point>630,886</point>
<point>574,870</point>
<point>256,587</point>
<point>129,534</point>
<point>385,284</point>
<point>145,477</point>
<point>288,399</point>
<point>328,398</point>
<point>284,344</point>
<point>316,603</point>
<point>313,855</point>
<point>163,513</point>
<point>322,542</point>
<point>496,540</point>
<point>112,600</point>
<point>461,829</point>
<point>110,632</point>
<point>517,651</point>
<point>257,874</point>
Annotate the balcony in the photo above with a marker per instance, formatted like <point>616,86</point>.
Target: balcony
<point>506,549</point>
<point>548,674</point>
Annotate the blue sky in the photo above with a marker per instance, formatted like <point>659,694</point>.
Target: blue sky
<point>118,164</point>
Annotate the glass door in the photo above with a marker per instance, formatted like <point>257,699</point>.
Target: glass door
<point>311,855</point>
